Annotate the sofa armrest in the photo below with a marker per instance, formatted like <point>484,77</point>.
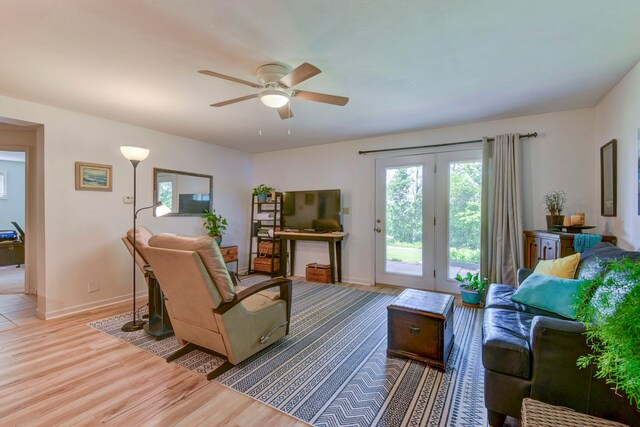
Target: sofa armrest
<point>523,273</point>
<point>556,345</point>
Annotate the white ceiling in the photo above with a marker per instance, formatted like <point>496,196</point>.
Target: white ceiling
<point>405,65</point>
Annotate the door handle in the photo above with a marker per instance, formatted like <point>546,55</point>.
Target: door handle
<point>378,229</point>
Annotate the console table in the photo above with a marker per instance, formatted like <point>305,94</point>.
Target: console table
<point>333,239</point>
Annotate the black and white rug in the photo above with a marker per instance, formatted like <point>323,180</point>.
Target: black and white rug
<point>332,368</point>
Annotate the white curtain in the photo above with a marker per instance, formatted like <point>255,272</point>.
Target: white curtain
<point>502,241</point>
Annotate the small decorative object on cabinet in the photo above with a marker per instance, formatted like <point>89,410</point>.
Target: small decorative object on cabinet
<point>546,245</point>
<point>554,203</point>
<point>264,246</point>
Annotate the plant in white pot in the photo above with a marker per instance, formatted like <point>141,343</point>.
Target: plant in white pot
<point>262,191</point>
<point>471,287</point>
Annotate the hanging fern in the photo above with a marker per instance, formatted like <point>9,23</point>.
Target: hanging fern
<point>609,306</point>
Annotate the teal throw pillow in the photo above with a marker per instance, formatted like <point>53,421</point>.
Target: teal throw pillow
<point>549,293</point>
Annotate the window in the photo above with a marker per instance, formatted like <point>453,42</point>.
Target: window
<point>3,185</point>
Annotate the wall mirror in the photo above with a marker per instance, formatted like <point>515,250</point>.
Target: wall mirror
<point>185,193</point>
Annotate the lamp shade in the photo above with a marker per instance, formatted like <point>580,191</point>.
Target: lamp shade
<point>162,210</point>
<point>134,153</point>
<point>274,98</point>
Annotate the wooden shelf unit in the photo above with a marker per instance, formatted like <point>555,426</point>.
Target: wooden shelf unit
<point>259,230</point>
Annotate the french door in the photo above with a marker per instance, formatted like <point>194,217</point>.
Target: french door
<point>427,226</point>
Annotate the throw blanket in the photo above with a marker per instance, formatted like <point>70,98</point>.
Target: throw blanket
<point>582,242</point>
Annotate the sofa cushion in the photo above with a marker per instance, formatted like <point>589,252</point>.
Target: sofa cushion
<point>499,296</point>
<point>209,253</point>
<point>549,293</point>
<point>564,267</point>
<point>505,342</point>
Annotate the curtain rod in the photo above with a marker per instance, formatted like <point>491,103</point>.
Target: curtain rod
<point>526,135</point>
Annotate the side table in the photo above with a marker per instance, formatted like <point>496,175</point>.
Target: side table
<point>159,324</point>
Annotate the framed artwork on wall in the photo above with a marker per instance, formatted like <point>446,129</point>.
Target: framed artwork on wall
<point>608,179</point>
<point>93,177</point>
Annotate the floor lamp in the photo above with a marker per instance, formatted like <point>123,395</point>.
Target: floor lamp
<point>135,155</point>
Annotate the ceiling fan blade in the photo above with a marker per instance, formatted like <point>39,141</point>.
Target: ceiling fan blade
<point>234,100</point>
<point>321,97</point>
<point>285,112</point>
<point>232,79</point>
<point>299,74</point>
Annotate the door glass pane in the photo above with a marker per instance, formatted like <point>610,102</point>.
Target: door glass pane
<point>465,187</point>
<point>403,228</point>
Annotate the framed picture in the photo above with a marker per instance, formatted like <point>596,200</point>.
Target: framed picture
<point>93,177</point>
<point>608,179</point>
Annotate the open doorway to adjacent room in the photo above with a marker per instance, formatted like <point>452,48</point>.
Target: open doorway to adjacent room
<point>14,302</point>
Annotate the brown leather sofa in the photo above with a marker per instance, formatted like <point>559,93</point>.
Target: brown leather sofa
<point>529,352</point>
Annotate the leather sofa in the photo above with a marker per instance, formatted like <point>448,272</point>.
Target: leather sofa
<point>528,352</point>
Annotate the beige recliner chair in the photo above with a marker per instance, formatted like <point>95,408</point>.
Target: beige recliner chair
<point>203,305</point>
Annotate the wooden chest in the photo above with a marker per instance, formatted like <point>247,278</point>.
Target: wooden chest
<point>264,264</point>
<point>268,248</point>
<point>420,327</point>
<point>320,273</point>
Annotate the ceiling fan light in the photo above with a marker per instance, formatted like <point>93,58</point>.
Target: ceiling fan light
<point>274,98</point>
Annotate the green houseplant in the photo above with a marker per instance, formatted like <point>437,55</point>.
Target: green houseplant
<point>554,202</point>
<point>609,306</point>
<point>215,224</point>
<point>471,287</point>
<point>262,191</point>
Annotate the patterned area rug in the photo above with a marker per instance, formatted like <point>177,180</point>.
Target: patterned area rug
<point>332,368</point>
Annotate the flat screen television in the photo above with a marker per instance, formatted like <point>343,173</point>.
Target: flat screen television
<point>193,203</point>
<point>315,210</point>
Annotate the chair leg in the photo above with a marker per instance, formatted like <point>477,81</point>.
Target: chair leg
<point>219,370</point>
<point>181,352</point>
<point>495,419</point>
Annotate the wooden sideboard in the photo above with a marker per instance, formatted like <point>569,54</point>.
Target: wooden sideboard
<point>545,245</point>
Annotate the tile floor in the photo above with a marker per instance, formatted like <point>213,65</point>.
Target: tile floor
<point>16,310</point>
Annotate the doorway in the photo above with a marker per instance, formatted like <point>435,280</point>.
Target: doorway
<point>427,226</point>
<point>12,220</point>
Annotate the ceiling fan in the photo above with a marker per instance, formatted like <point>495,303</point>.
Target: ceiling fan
<point>277,81</point>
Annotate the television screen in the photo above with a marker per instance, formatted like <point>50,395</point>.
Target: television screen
<point>193,203</point>
<point>317,210</point>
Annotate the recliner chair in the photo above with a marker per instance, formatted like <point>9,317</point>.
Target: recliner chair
<point>203,305</point>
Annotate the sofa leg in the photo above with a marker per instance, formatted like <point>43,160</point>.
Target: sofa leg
<point>495,419</point>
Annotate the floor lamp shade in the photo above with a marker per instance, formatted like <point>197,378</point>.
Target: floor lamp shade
<point>134,153</point>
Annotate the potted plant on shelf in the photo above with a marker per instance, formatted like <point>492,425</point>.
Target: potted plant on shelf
<point>262,191</point>
<point>554,202</point>
<point>471,287</point>
<point>216,225</point>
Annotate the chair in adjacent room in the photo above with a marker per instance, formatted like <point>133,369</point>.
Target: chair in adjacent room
<point>206,310</point>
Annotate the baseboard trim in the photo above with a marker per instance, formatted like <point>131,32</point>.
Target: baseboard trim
<point>88,306</point>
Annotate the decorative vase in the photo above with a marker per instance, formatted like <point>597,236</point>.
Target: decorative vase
<point>217,238</point>
<point>553,220</point>
<point>470,296</point>
<point>263,197</point>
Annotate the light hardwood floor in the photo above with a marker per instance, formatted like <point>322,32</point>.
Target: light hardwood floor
<point>62,372</point>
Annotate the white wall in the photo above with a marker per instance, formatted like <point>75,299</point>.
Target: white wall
<point>83,228</point>
<point>617,116</point>
<point>12,208</point>
<point>561,158</point>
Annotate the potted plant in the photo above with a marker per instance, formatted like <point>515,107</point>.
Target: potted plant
<point>609,307</point>
<point>262,191</point>
<point>471,287</point>
<point>216,225</point>
<point>554,202</point>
